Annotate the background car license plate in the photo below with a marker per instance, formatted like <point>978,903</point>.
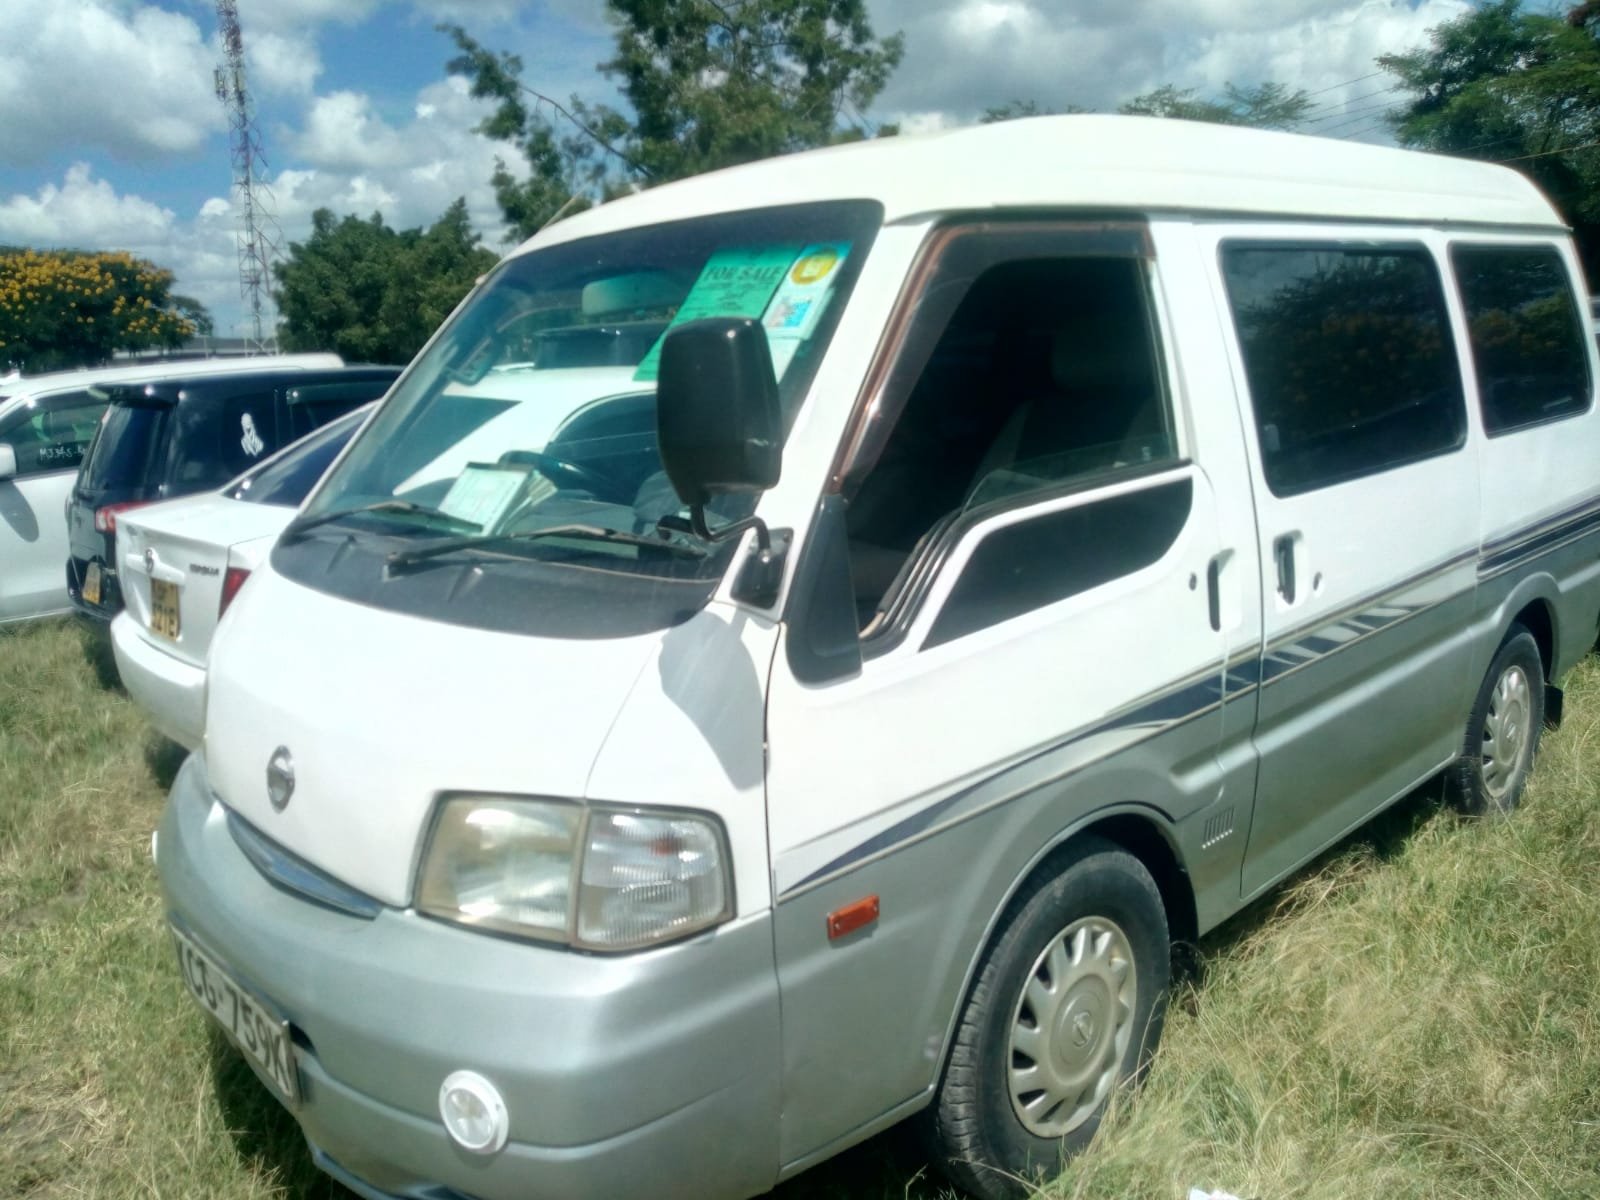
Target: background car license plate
<point>262,1036</point>
<point>164,608</point>
<point>91,584</point>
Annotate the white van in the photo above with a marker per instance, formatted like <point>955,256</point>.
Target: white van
<point>1017,549</point>
<point>46,424</point>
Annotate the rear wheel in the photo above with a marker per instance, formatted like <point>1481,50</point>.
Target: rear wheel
<point>1067,1004</point>
<point>1502,730</point>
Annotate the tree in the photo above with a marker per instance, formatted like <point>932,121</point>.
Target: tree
<point>712,83</point>
<point>372,294</point>
<point>1522,88</point>
<point>71,308</point>
<point>1267,106</point>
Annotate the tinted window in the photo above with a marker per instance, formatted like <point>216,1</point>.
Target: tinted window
<point>52,434</point>
<point>1047,373</point>
<point>313,405</point>
<point>1348,354</point>
<point>123,454</point>
<point>217,438</point>
<point>1528,341</point>
<point>288,480</point>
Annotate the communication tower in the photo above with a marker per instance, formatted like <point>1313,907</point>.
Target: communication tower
<point>258,233</point>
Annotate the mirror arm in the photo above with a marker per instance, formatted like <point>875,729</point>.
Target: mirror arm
<point>696,524</point>
<point>761,575</point>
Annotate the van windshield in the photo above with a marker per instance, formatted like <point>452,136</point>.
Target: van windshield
<point>535,406</point>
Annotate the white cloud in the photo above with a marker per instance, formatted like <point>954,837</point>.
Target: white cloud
<point>131,79</point>
<point>963,56</point>
<point>282,63</point>
<point>83,213</point>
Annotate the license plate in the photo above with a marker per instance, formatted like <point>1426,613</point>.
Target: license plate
<point>262,1036</point>
<point>164,608</point>
<point>91,584</point>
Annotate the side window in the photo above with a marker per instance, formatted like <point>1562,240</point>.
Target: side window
<point>311,406</point>
<point>219,438</point>
<point>53,434</point>
<point>1527,338</point>
<point>1348,354</point>
<point>1046,374</point>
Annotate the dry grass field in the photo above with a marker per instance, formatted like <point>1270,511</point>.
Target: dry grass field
<point>1416,1016</point>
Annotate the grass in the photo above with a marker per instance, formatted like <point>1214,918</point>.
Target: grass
<point>1415,1016</point>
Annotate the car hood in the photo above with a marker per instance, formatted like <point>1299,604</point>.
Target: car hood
<point>380,713</point>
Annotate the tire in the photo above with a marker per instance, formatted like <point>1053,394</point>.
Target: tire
<point>1502,730</point>
<point>1049,985</point>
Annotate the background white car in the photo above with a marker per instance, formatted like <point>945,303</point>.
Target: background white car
<point>184,561</point>
<point>46,424</point>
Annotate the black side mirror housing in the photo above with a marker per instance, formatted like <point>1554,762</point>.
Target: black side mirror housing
<point>717,411</point>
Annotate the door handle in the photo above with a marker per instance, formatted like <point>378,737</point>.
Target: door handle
<point>1214,592</point>
<point>1283,556</point>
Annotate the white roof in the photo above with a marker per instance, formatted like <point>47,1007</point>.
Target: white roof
<point>1143,164</point>
<point>172,368</point>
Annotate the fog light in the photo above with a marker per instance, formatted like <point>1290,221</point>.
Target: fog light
<point>474,1115</point>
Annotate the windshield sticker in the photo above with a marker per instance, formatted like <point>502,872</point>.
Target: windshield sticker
<point>737,282</point>
<point>251,442</point>
<point>483,493</point>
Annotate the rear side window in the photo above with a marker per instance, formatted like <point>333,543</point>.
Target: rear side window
<point>289,480</point>
<point>52,434</point>
<point>1348,355</point>
<point>1528,340</point>
<point>219,438</point>
<point>124,452</point>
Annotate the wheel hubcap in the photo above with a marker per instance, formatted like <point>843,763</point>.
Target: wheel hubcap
<point>1072,1026</point>
<point>1507,732</point>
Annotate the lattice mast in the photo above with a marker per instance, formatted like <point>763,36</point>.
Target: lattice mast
<point>258,232</point>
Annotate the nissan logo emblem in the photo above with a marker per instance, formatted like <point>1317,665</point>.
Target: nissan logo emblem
<point>280,778</point>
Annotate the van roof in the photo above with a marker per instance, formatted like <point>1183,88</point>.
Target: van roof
<point>192,368</point>
<point>1095,162</point>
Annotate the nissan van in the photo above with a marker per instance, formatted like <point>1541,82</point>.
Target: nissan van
<point>1019,548</point>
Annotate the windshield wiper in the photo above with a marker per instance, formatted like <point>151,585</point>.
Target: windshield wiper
<point>594,533</point>
<point>301,524</point>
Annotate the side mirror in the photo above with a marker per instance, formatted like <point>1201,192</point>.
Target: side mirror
<point>717,409</point>
<point>8,462</point>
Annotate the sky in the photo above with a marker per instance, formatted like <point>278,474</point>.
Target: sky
<point>111,136</point>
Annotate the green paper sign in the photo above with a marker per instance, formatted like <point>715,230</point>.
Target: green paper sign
<point>736,282</point>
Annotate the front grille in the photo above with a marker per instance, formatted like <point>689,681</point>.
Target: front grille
<point>295,875</point>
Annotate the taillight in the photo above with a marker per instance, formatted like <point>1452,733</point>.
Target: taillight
<point>105,519</point>
<point>231,583</point>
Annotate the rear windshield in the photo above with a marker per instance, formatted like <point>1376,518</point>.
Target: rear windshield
<point>123,455</point>
<point>292,475</point>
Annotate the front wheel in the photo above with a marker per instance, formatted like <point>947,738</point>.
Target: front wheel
<point>1502,730</point>
<point>1068,1004</point>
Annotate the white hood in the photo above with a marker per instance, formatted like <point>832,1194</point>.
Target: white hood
<point>382,712</point>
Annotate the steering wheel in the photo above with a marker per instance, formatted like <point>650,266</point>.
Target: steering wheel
<point>562,472</point>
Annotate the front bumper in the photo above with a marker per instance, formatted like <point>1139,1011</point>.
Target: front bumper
<point>650,1073</point>
<point>171,691</point>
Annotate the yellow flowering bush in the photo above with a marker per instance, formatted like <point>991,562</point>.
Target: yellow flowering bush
<point>66,308</point>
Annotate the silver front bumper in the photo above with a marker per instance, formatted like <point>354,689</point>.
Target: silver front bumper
<point>655,1072</point>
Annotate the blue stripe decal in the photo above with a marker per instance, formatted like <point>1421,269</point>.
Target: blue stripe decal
<point>1158,714</point>
<point>1515,548</point>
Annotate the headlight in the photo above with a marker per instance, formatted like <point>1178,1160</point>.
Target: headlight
<point>601,878</point>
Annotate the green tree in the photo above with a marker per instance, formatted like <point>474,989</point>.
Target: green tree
<point>1267,106</point>
<point>711,83</point>
<point>371,293</point>
<point>1506,85</point>
<point>71,308</point>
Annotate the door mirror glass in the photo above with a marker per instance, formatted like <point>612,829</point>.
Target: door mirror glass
<point>8,462</point>
<point>717,409</point>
